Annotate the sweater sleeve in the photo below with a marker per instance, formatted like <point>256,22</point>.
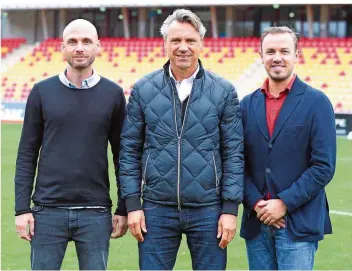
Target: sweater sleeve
<point>114,138</point>
<point>28,152</point>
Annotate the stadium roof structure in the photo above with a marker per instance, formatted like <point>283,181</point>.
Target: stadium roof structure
<point>55,4</point>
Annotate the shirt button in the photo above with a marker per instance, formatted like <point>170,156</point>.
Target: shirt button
<point>270,145</point>
<point>275,100</point>
<point>273,112</point>
<point>268,170</point>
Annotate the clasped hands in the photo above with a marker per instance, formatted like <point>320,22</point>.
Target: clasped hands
<point>271,212</point>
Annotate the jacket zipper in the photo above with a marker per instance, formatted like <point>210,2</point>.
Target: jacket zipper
<point>179,143</point>
<point>144,172</point>
<point>216,175</point>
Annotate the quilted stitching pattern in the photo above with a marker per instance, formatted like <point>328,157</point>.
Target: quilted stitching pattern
<point>212,132</point>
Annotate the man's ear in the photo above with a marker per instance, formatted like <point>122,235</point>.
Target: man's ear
<point>98,46</point>
<point>165,46</point>
<point>297,55</point>
<point>261,55</point>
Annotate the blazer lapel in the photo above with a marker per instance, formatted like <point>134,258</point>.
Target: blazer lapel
<point>292,100</point>
<point>260,113</point>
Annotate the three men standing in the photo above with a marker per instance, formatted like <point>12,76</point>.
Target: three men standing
<point>184,147</point>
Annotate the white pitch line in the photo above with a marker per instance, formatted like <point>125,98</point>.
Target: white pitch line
<point>344,159</point>
<point>340,213</point>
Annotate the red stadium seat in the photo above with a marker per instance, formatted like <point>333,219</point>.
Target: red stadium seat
<point>143,55</point>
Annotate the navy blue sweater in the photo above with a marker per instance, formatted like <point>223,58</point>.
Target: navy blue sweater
<point>69,129</point>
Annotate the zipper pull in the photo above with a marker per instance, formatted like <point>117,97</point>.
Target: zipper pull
<point>218,189</point>
<point>142,187</point>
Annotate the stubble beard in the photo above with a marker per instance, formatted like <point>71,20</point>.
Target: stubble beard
<point>280,78</point>
<point>81,66</point>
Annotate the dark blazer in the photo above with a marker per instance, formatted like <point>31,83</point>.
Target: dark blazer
<point>295,164</point>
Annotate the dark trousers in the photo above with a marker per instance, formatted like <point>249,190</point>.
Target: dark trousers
<point>90,229</point>
<point>273,249</point>
<point>165,226</point>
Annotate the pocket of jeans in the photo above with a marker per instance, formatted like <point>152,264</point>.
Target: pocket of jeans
<point>37,208</point>
<point>102,210</point>
<point>216,207</point>
<point>149,205</point>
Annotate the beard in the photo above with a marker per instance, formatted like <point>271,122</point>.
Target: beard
<point>80,66</point>
<point>281,76</point>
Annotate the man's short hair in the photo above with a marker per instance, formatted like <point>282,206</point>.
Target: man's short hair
<point>183,16</point>
<point>279,29</point>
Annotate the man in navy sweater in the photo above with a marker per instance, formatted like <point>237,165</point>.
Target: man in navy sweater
<point>290,156</point>
<point>69,120</point>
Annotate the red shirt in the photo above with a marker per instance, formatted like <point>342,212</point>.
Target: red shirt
<point>273,106</point>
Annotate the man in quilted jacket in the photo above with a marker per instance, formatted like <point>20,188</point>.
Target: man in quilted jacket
<point>182,153</point>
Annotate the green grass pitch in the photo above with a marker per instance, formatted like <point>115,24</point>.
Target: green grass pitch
<point>335,252</point>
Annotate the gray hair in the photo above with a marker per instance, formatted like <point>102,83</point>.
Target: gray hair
<point>279,29</point>
<point>183,16</point>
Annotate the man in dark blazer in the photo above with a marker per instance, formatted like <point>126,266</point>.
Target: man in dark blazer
<point>290,155</point>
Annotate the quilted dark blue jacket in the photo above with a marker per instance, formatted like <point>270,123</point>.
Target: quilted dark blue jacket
<point>195,163</point>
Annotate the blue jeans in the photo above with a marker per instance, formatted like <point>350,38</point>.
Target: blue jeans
<point>273,249</point>
<point>165,225</point>
<point>90,229</point>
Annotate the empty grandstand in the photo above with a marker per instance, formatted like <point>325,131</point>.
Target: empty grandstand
<point>131,46</point>
<point>325,63</point>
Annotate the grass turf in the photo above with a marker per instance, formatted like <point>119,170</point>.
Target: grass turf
<point>334,252</point>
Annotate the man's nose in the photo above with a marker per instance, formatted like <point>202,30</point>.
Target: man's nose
<point>79,46</point>
<point>183,46</point>
<point>277,57</point>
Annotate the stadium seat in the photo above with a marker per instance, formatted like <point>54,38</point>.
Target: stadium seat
<point>324,63</point>
<point>8,45</point>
